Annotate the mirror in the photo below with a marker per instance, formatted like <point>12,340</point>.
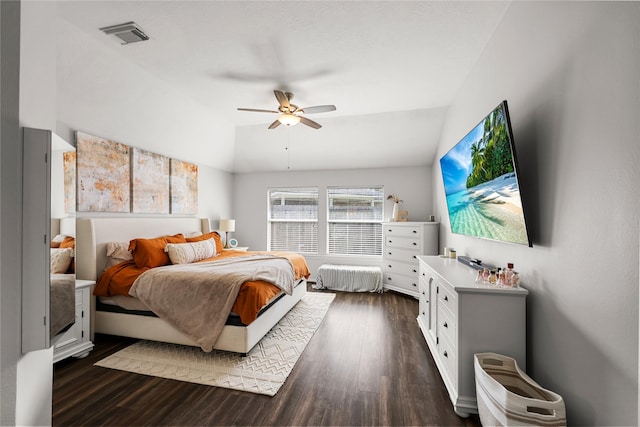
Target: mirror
<point>48,281</point>
<point>63,233</point>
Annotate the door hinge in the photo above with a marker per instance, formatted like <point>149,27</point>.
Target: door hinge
<point>82,334</point>
<point>82,314</point>
<point>44,320</point>
<point>437,340</point>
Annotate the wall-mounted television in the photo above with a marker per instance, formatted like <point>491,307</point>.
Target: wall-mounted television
<point>480,177</point>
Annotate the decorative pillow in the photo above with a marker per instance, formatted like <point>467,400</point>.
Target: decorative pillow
<point>186,253</point>
<point>57,240</point>
<point>150,252</point>
<point>213,235</point>
<point>60,260</point>
<point>68,242</point>
<point>193,234</point>
<point>117,252</point>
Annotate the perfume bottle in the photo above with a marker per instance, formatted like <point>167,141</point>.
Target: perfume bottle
<point>492,277</point>
<point>515,280</point>
<point>509,274</point>
<point>479,277</point>
<point>485,275</point>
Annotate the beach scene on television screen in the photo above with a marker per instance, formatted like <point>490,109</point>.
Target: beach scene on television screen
<point>481,186</point>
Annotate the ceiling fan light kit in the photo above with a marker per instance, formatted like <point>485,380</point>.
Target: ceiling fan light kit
<point>291,114</point>
<point>289,119</point>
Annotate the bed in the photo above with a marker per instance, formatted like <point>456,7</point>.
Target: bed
<point>62,282</point>
<point>93,235</point>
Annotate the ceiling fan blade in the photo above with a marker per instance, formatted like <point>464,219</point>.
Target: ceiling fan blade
<point>274,124</point>
<point>318,109</point>
<point>282,99</point>
<point>310,122</point>
<point>258,110</point>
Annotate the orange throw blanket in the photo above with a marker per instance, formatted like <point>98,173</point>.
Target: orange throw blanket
<point>253,295</point>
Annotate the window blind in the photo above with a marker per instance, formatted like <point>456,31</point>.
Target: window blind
<point>355,220</point>
<point>293,220</point>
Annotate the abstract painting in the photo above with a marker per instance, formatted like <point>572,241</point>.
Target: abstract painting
<point>150,179</point>
<point>184,187</point>
<point>103,171</point>
<point>69,168</point>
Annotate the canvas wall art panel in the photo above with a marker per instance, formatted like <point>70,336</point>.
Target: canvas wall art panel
<point>150,182</point>
<point>103,174</point>
<point>184,187</point>
<point>69,170</point>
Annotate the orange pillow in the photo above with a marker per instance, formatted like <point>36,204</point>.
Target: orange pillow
<point>68,242</point>
<point>213,235</point>
<point>150,252</point>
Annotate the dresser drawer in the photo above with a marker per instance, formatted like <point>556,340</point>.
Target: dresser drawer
<point>413,243</point>
<point>448,298</point>
<point>401,254</point>
<point>447,327</point>
<point>394,230</point>
<point>409,283</point>
<point>448,356</point>
<point>404,268</point>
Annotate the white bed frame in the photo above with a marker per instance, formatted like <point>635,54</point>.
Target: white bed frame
<point>92,235</point>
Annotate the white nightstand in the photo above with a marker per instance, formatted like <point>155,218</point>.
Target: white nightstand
<point>239,248</point>
<point>76,341</point>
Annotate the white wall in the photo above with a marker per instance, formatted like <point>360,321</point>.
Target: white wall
<point>570,74</point>
<point>10,209</point>
<point>412,184</point>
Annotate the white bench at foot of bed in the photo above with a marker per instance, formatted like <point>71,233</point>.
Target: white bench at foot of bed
<point>239,339</point>
<point>350,278</point>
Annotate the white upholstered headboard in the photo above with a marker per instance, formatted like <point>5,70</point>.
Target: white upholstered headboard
<point>92,235</point>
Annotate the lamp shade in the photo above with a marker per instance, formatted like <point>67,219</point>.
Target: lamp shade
<point>227,225</point>
<point>288,119</point>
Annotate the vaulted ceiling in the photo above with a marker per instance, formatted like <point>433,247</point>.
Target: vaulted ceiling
<point>390,67</point>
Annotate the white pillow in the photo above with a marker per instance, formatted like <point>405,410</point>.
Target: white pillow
<point>60,260</point>
<point>186,253</point>
<point>117,252</point>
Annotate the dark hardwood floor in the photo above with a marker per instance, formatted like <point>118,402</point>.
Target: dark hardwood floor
<point>367,364</point>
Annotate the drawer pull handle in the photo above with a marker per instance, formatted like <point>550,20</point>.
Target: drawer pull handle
<point>415,244</point>
<point>414,257</point>
<point>423,293</point>
<point>423,313</point>
<point>445,354</point>
<point>389,265</point>
<point>445,325</point>
<point>414,284</point>
<point>446,298</point>
<point>415,231</point>
<point>423,274</point>
<point>390,253</point>
<point>415,271</point>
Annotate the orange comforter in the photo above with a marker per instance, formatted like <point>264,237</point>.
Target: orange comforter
<point>253,295</point>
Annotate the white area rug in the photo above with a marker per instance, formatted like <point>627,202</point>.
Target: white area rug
<point>262,371</point>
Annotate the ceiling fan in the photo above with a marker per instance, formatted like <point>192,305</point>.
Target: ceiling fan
<point>291,114</point>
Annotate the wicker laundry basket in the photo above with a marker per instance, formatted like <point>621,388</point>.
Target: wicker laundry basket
<point>509,397</point>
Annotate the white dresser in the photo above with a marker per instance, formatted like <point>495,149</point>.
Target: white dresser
<point>403,242</point>
<point>459,318</point>
<point>76,341</point>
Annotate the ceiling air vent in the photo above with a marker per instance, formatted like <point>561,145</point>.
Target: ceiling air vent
<point>128,32</point>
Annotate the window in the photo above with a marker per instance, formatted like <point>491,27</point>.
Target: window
<point>293,220</point>
<point>355,220</point>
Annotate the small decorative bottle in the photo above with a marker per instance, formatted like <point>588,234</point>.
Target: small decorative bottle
<point>485,275</point>
<point>479,277</point>
<point>515,280</point>
<point>492,277</point>
<point>509,274</point>
<point>502,278</point>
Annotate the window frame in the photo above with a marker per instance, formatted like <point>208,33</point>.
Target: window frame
<point>270,220</point>
<point>378,222</point>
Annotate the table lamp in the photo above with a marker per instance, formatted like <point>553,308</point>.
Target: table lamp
<point>227,225</point>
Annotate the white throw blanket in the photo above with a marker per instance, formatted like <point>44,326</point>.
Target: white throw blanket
<point>197,298</point>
